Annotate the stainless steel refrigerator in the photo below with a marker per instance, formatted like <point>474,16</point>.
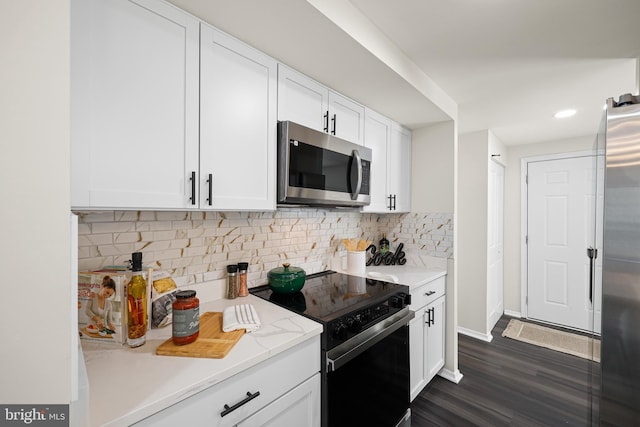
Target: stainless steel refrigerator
<point>620,354</point>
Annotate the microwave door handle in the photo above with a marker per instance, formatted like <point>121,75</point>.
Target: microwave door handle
<point>356,158</point>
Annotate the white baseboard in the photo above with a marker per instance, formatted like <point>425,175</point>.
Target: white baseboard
<point>453,376</point>
<point>475,334</point>
<point>513,313</point>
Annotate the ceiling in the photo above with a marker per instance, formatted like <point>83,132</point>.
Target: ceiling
<point>502,65</point>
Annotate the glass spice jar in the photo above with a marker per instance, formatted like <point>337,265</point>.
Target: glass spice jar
<point>243,290</point>
<point>232,281</point>
<point>186,317</point>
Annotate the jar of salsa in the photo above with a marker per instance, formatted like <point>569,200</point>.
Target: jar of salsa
<point>186,317</point>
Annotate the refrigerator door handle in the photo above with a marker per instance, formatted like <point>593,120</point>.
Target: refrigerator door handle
<point>591,253</point>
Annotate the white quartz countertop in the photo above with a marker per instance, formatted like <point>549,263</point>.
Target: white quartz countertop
<point>405,275</point>
<point>127,385</point>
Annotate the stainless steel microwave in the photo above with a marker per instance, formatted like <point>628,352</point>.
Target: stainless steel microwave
<point>315,168</point>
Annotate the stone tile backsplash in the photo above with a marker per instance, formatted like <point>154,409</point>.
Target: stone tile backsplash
<point>196,246</point>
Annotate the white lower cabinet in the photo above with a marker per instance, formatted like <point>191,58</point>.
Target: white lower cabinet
<point>282,390</point>
<point>434,338</point>
<point>426,334</point>
<point>299,407</point>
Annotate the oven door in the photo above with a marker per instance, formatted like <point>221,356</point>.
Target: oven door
<point>319,169</point>
<point>367,378</point>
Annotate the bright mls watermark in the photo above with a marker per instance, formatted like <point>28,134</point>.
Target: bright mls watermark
<point>34,415</point>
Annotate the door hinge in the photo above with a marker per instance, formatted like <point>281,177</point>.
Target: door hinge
<point>526,239</point>
<point>526,179</point>
<point>526,300</point>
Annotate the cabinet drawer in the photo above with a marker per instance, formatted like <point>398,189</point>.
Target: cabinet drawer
<point>427,293</point>
<point>272,378</point>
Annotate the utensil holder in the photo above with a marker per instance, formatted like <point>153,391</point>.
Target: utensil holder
<point>356,263</point>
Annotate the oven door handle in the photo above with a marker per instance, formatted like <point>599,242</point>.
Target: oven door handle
<point>340,355</point>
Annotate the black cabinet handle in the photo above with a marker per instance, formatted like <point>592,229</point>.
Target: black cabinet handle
<point>429,293</point>
<point>193,188</point>
<point>326,122</point>
<point>210,182</point>
<point>394,202</point>
<point>430,317</point>
<point>333,121</point>
<point>390,205</point>
<point>228,409</point>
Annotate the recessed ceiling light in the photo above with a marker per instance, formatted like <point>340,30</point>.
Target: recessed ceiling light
<point>564,114</point>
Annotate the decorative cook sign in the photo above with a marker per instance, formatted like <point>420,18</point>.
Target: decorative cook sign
<point>389,258</point>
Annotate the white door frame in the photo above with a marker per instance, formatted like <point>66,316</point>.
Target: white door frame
<point>524,217</point>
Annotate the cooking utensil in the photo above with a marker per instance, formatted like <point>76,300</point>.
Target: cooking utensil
<point>286,279</point>
<point>356,245</point>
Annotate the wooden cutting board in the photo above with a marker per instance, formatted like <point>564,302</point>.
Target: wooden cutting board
<point>211,342</point>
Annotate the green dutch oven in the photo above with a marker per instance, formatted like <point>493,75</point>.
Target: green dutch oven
<point>286,279</point>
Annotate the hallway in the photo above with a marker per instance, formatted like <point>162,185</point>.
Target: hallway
<point>510,383</point>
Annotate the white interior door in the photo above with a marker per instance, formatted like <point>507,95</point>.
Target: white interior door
<point>560,210</point>
<point>495,237</point>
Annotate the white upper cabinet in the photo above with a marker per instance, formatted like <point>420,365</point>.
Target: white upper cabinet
<point>238,125</point>
<point>400,168</point>
<point>165,116</point>
<point>378,135</point>
<point>134,105</point>
<point>346,118</point>
<point>304,101</point>
<point>390,165</point>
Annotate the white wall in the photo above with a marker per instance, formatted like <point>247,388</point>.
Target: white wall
<point>475,153</point>
<point>512,199</point>
<point>34,174</point>
<point>432,168</point>
<point>434,164</point>
<point>472,231</point>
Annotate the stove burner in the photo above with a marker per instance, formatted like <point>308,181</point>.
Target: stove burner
<point>346,305</point>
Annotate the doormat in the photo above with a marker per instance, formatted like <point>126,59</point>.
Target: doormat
<point>565,342</point>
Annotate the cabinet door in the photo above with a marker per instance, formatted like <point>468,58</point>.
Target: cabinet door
<point>434,338</point>
<point>346,118</point>
<point>400,167</point>
<point>298,407</point>
<point>377,136</point>
<point>238,126</point>
<point>417,354</point>
<point>134,105</point>
<point>302,100</point>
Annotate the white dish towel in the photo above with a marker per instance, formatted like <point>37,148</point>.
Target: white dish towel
<point>241,316</point>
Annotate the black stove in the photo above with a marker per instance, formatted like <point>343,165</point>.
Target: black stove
<point>364,346</point>
<point>346,305</point>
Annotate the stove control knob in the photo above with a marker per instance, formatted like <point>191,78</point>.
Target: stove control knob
<point>340,331</point>
<point>354,323</point>
<point>365,317</point>
<point>396,301</point>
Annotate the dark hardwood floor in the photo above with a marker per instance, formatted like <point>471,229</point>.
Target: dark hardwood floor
<point>511,383</point>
